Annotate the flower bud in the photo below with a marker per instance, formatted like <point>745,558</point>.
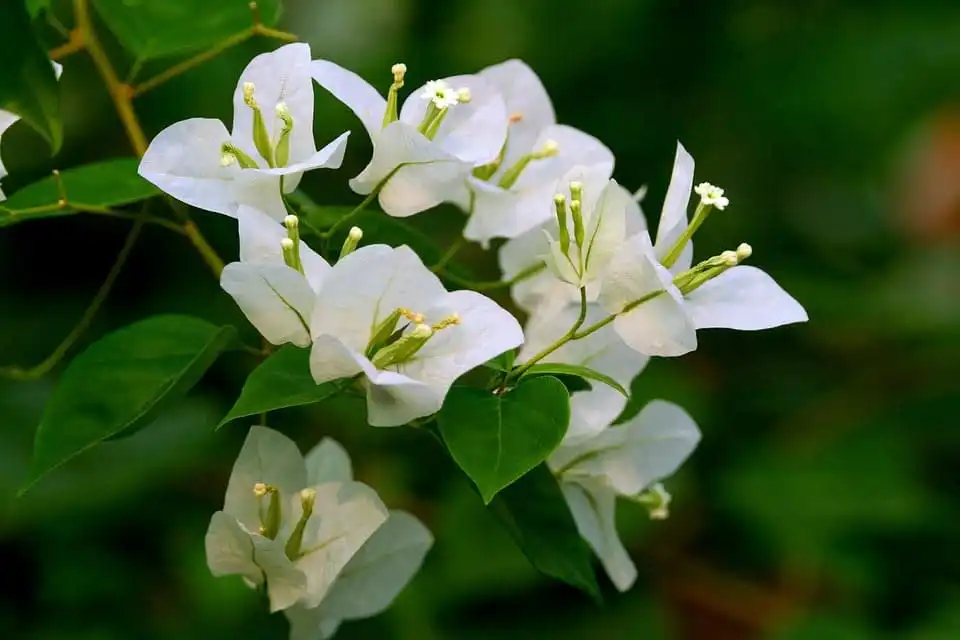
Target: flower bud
<point>295,541</point>
<point>230,153</point>
<point>282,152</point>
<point>657,501</point>
<point>384,331</point>
<point>463,95</point>
<point>579,232</point>
<point>270,518</point>
<point>404,348</point>
<point>350,244</point>
<point>744,251</point>
<point>560,204</point>
<point>390,113</point>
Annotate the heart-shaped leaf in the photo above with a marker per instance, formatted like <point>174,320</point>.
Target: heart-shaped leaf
<point>561,369</point>
<point>535,514</point>
<point>282,380</point>
<point>496,439</point>
<point>121,383</point>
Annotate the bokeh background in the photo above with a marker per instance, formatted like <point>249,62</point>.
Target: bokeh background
<point>821,503</point>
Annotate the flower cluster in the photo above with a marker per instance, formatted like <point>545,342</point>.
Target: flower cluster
<point>599,293</point>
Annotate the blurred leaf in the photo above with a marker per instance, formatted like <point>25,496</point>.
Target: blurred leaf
<point>35,7</point>
<point>157,28</point>
<point>496,439</point>
<point>109,183</point>
<point>282,380</point>
<point>121,383</point>
<point>28,84</point>
<point>536,516</point>
<point>579,371</point>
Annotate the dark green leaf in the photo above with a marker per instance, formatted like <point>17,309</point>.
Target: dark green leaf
<point>560,369</point>
<point>496,439</point>
<point>503,362</point>
<point>121,383</point>
<point>35,7</point>
<point>157,28</point>
<point>28,84</point>
<point>535,514</point>
<point>110,183</point>
<point>282,380</point>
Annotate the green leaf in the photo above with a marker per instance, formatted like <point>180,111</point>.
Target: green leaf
<point>560,369</point>
<point>496,439</point>
<point>35,7</point>
<point>109,183</point>
<point>28,84</point>
<point>503,362</point>
<point>535,514</point>
<point>157,28</point>
<point>282,380</point>
<point>121,383</point>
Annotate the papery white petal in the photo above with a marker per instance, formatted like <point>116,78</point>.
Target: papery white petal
<point>673,216</point>
<point>269,457</point>
<point>345,515</point>
<point>377,574</point>
<point>184,161</point>
<point>417,187</point>
<point>486,330</point>
<point>394,399</point>
<point>330,157</point>
<point>632,456</point>
<point>260,237</point>
<point>524,95</point>
<point>233,551</point>
<point>282,75</point>
<point>365,287</point>
<point>331,359</point>
<point>574,148</point>
<point>276,299</point>
<point>744,298</point>
<point>472,132</point>
<point>564,266</point>
<point>606,229</point>
<point>328,462</point>
<point>594,509</point>
<point>658,327</point>
<point>502,213</point>
<point>353,91</point>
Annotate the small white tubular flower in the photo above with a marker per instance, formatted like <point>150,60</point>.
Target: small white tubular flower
<point>277,299</point>
<point>307,529</point>
<point>377,290</point>
<point>516,197</point>
<point>603,214</point>
<point>621,461</point>
<point>590,411</point>
<point>415,171</point>
<point>711,195</point>
<point>441,94</point>
<point>198,162</point>
<point>8,119</point>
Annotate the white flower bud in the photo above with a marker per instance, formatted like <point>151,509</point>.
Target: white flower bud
<point>248,90</point>
<point>464,95</point>
<point>355,234</point>
<point>744,251</point>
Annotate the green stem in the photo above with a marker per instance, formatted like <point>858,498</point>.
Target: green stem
<point>455,247</point>
<point>562,340</point>
<point>44,367</point>
<point>489,285</point>
<point>347,219</point>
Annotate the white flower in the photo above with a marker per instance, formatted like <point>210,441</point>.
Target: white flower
<point>199,162</point>
<point>590,411</point>
<point>621,461</point>
<point>440,93</point>
<point>8,119</point>
<point>288,523</point>
<point>516,197</point>
<point>741,297</point>
<point>711,195</point>
<point>423,171</point>
<point>377,290</point>
<point>544,294</point>
<point>277,299</point>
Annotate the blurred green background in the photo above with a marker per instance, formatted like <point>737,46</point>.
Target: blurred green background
<point>821,502</point>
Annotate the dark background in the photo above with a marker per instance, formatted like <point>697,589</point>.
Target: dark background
<point>821,502</point>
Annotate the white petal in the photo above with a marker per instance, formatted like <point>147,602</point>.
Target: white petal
<point>345,515</point>
<point>331,359</point>
<point>330,157</point>
<point>276,299</point>
<point>367,286</point>
<point>542,294</point>
<point>418,187</point>
<point>632,456</point>
<point>473,132</point>
<point>394,399</point>
<point>269,457</point>
<point>486,330</point>
<point>524,95</point>
<point>260,237</point>
<point>328,462</point>
<point>282,75</point>
<point>744,298</point>
<point>377,574</point>
<point>353,91</point>
<point>658,327</point>
<point>575,148</point>
<point>501,213</point>
<point>564,266</point>
<point>309,623</point>
<point>594,510</point>
<point>673,216</point>
<point>606,229</point>
<point>184,161</point>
